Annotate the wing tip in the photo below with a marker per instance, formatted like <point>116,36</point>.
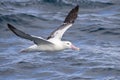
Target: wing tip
<point>77,7</point>
<point>13,29</point>
<point>72,15</point>
<point>10,27</point>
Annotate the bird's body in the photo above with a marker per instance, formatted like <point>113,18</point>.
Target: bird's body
<point>56,46</point>
<point>53,42</point>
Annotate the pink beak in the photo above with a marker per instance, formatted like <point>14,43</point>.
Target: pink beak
<point>75,48</point>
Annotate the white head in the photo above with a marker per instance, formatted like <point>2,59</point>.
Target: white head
<point>68,44</point>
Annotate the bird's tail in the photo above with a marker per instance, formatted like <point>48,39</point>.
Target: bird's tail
<point>29,49</point>
<point>24,51</point>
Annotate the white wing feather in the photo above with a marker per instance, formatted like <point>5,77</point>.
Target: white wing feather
<point>69,20</point>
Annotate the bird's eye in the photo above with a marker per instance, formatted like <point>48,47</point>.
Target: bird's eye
<point>68,43</point>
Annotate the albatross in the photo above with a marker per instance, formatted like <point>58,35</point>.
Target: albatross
<point>53,42</point>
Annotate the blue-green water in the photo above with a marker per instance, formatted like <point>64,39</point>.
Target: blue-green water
<point>96,31</point>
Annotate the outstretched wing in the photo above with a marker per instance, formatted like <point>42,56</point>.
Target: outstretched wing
<point>69,20</point>
<point>36,40</point>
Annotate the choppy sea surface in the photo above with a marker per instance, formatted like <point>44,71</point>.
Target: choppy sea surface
<point>96,31</point>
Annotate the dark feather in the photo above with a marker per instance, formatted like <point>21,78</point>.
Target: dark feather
<point>72,15</point>
<point>37,40</point>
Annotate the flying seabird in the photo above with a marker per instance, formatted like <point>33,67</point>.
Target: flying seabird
<point>53,42</point>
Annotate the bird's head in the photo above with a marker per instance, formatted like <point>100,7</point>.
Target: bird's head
<point>68,44</point>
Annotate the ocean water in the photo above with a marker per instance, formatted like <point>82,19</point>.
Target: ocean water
<point>96,31</point>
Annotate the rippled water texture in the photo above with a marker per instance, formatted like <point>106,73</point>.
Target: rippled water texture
<point>96,31</point>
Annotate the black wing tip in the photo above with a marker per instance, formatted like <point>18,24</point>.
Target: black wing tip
<point>72,15</point>
<point>77,7</point>
<point>10,26</point>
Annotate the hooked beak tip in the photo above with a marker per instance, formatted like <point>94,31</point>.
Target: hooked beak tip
<point>78,49</point>
<point>75,48</point>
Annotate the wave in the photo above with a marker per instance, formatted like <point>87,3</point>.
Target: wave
<point>102,30</point>
<point>22,17</point>
<point>19,19</point>
<point>14,18</point>
<point>81,3</point>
